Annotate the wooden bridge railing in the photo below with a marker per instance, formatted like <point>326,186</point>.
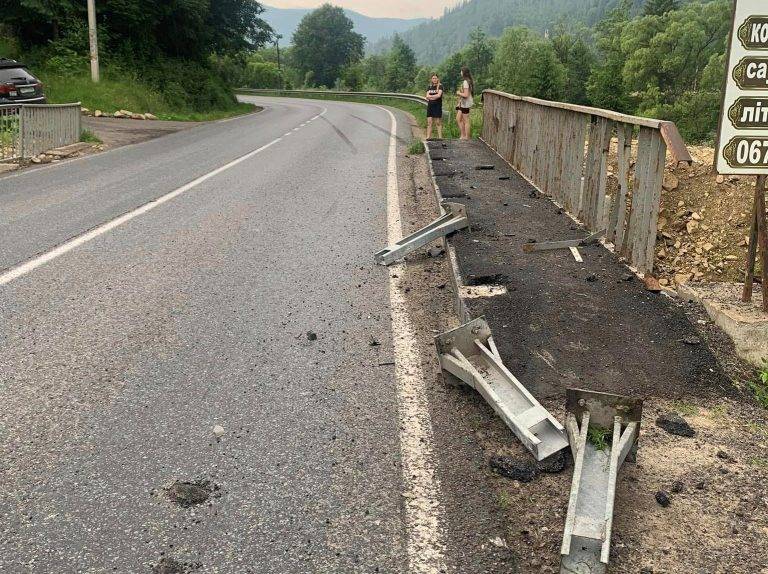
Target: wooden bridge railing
<point>563,149</point>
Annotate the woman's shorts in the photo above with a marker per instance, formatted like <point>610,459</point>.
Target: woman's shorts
<point>434,112</point>
<point>462,110</point>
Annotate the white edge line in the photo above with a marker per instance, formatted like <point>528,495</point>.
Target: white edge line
<point>426,540</point>
<point>29,266</point>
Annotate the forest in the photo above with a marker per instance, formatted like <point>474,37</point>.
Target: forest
<point>160,56</point>
<point>658,58</point>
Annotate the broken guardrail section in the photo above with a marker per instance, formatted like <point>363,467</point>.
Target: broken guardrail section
<point>453,219</point>
<point>603,431</point>
<point>470,354</point>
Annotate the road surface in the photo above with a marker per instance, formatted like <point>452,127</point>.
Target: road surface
<point>220,277</point>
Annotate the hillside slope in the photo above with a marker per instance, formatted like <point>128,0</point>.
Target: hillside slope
<point>434,40</point>
<point>285,21</point>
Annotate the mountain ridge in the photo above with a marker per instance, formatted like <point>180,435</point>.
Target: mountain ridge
<point>285,21</point>
<point>436,39</point>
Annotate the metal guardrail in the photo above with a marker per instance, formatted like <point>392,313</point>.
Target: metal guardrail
<point>563,149</point>
<point>27,130</point>
<point>411,97</point>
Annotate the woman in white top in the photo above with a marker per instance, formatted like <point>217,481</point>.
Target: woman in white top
<point>466,102</point>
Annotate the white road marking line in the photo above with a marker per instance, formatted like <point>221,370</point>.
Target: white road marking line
<point>25,268</point>
<point>426,541</point>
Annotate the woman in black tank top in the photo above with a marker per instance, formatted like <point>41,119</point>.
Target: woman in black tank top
<point>435,107</point>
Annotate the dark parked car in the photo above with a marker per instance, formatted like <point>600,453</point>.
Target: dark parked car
<point>18,86</point>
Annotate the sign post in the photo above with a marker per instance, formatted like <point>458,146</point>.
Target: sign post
<point>743,135</point>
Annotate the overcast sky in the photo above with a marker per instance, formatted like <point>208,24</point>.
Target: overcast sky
<point>377,8</point>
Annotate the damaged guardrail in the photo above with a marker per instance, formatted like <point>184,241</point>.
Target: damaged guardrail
<point>603,430</point>
<point>470,354</point>
<point>454,218</point>
<point>563,149</point>
<point>335,93</point>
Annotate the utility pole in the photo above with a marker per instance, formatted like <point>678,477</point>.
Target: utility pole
<point>94,40</point>
<point>278,37</point>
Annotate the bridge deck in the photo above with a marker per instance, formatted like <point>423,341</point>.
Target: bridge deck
<point>562,323</point>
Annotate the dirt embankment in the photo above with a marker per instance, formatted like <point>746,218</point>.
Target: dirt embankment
<point>704,222</point>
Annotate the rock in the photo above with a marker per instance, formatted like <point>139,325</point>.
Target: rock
<point>722,455</point>
<point>696,216</point>
<point>151,117</point>
<point>514,469</point>
<point>663,498</point>
<point>677,487</point>
<point>311,336</point>
<point>98,113</point>
<point>708,247</point>
<point>218,430</point>
<point>553,464</point>
<point>671,182</point>
<point>664,282</point>
<point>187,494</point>
<point>591,278</point>
<point>691,226</point>
<point>682,278</point>
<point>436,251</point>
<point>651,284</point>
<point>719,179</point>
<point>119,114</point>
<point>674,424</point>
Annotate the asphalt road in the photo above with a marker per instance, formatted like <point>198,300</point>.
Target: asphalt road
<point>118,357</point>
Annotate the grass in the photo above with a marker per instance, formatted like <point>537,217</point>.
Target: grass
<point>505,500</point>
<point>89,137</point>
<point>685,409</point>
<point>599,437</point>
<point>450,128</point>
<point>758,462</point>
<point>760,386</point>
<point>416,147</point>
<point>112,94</point>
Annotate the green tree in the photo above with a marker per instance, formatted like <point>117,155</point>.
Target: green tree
<point>478,57</point>
<point>324,43</point>
<point>605,87</point>
<point>527,65</point>
<point>660,7</point>
<point>578,59</point>
<point>401,67</point>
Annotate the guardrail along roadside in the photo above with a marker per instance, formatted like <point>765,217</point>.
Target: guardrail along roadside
<point>27,130</point>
